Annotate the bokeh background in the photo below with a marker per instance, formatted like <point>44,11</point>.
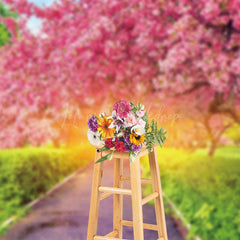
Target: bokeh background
<point>61,61</point>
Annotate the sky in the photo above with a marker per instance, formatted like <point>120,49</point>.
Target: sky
<point>34,23</point>
<point>42,3</point>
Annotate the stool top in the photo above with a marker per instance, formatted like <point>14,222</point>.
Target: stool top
<point>123,155</point>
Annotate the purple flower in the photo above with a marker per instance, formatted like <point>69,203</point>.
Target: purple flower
<point>127,140</point>
<point>126,148</point>
<point>92,123</point>
<point>122,108</point>
<point>136,148</point>
<point>118,122</point>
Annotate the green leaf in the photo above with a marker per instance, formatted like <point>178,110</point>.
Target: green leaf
<point>106,157</point>
<point>152,124</point>
<point>104,148</point>
<point>145,117</point>
<point>138,105</point>
<point>158,140</point>
<point>134,109</point>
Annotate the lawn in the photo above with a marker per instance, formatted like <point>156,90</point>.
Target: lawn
<point>206,190</point>
<point>28,173</point>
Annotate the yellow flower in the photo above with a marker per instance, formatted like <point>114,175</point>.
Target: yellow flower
<point>137,139</point>
<point>103,128</point>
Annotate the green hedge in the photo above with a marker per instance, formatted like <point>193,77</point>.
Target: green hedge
<point>206,190</point>
<point>27,173</point>
<point>234,133</point>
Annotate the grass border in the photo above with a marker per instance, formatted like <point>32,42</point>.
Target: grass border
<point>28,206</point>
<point>178,213</point>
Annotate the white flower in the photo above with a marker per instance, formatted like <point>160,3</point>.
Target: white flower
<point>94,138</point>
<point>112,125</point>
<point>102,114</point>
<point>120,134</point>
<point>141,107</point>
<point>114,114</point>
<point>138,129</point>
<point>117,121</point>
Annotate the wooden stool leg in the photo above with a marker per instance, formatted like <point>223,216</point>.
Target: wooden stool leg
<point>136,199</point>
<point>117,198</point>
<point>159,208</point>
<point>95,198</point>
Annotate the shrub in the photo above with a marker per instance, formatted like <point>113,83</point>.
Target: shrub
<point>206,190</point>
<point>29,172</point>
<point>234,133</point>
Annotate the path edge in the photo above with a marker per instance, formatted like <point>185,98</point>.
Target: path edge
<point>178,213</point>
<point>34,202</point>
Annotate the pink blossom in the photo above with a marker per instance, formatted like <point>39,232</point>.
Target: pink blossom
<point>140,113</point>
<point>111,48</point>
<point>130,120</point>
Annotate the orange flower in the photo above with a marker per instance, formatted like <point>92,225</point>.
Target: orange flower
<point>104,129</point>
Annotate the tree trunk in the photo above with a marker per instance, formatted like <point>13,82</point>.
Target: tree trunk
<point>212,148</point>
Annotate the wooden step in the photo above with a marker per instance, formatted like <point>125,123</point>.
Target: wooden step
<point>149,198</point>
<point>115,190</point>
<point>145,225</point>
<point>143,180</point>
<point>105,195</point>
<point>112,234</point>
<point>107,238</point>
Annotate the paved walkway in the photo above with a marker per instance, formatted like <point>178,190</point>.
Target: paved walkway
<point>63,215</point>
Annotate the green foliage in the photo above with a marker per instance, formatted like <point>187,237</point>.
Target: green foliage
<point>154,135</point>
<point>206,190</point>
<point>234,133</point>
<point>106,157</point>
<point>5,35</point>
<point>104,148</point>
<point>29,172</point>
<point>135,108</point>
<point>5,12</point>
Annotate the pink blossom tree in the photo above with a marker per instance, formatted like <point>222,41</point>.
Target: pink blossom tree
<point>90,49</point>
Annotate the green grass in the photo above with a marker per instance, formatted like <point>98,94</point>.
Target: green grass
<point>206,190</point>
<point>28,173</point>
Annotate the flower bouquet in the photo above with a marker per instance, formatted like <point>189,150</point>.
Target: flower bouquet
<point>126,130</point>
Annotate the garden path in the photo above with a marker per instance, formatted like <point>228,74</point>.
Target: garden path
<point>63,214</point>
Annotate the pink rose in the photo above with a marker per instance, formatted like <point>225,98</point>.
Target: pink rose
<point>130,120</point>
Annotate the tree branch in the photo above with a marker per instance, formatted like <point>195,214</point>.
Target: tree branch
<point>195,86</point>
<point>218,105</point>
<point>220,133</point>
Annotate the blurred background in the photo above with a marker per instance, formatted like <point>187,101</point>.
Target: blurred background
<point>61,61</point>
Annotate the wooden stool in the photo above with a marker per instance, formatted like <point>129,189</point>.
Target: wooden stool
<point>100,192</point>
